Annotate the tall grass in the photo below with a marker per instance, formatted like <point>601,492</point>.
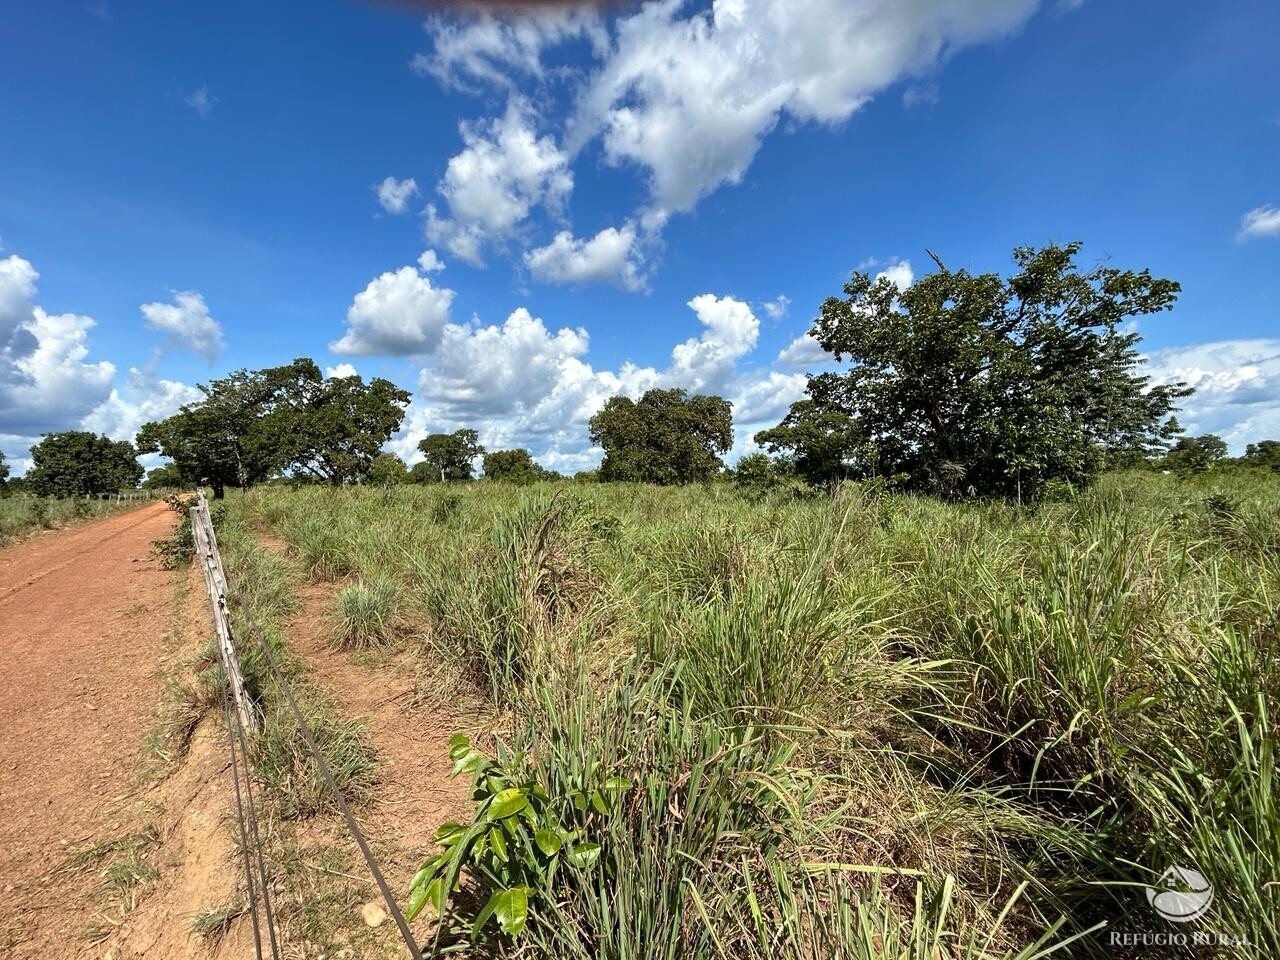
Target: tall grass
<point>866,724</point>
<point>20,516</point>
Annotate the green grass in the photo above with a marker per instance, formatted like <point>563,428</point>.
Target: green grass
<point>212,923</point>
<point>23,515</point>
<point>365,614</point>
<point>123,866</point>
<point>865,725</point>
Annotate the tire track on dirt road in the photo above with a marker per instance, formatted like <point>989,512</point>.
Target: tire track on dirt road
<point>81,634</point>
<point>54,552</point>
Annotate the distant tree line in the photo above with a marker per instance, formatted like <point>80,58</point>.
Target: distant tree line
<point>961,384</point>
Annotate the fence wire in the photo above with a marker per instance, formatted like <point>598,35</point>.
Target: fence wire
<point>238,745</point>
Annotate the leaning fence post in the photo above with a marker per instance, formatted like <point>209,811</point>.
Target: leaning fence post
<point>215,579</point>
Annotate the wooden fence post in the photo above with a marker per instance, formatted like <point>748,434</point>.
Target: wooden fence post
<point>215,579</point>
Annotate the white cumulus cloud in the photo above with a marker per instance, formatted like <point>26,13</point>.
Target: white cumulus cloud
<point>1260,222</point>
<point>682,93</point>
<point>689,96</point>
<point>46,382</point>
<point>522,385</point>
<point>188,323</point>
<point>505,170</point>
<point>499,50</point>
<point>611,256</point>
<point>707,362</point>
<point>400,313</point>
<point>394,195</point>
<point>428,262</point>
<point>778,307</point>
<point>803,351</point>
<point>899,273</point>
<point>142,398</point>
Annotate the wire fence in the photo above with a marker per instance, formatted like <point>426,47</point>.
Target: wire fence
<point>242,719</point>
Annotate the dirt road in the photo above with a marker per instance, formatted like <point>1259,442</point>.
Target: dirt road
<point>83,614</point>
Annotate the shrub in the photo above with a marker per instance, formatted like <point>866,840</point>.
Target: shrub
<point>366,613</point>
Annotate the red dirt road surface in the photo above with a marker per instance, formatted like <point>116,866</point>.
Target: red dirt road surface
<point>83,615</point>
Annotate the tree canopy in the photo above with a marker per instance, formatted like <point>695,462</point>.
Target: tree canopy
<point>253,424</point>
<point>821,443</point>
<point>666,437</point>
<point>976,382</point>
<point>4,468</point>
<point>387,470</point>
<point>166,475</point>
<point>448,456</point>
<point>1264,453</point>
<point>513,466</point>
<point>1195,454</point>
<point>76,462</point>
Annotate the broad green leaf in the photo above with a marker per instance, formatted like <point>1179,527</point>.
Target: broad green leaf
<point>597,801</point>
<point>435,894</point>
<point>584,855</point>
<point>447,830</point>
<point>470,762</point>
<point>513,910</point>
<point>420,878</point>
<point>417,900</point>
<point>509,801</point>
<point>617,784</point>
<point>495,782</point>
<point>548,842</point>
<point>498,844</point>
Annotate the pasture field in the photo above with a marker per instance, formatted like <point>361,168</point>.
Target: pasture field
<point>20,516</point>
<point>855,725</point>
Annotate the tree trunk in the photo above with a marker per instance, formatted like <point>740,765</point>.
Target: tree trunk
<point>218,491</point>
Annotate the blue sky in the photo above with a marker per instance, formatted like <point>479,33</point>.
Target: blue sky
<point>659,195</point>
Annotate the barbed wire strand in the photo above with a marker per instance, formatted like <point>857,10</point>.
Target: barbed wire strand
<point>257,843</point>
<point>240,819</point>
<point>313,748</point>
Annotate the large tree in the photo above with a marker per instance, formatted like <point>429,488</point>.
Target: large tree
<point>256,423</point>
<point>4,468</point>
<point>340,425</point>
<point>665,437</point>
<point>513,466</point>
<point>448,456</point>
<point>163,477</point>
<point>76,462</point>
<point>239,434</point>
<point>988,384</point>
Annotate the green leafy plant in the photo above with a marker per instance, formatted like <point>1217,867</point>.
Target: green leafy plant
<point>40,513</point>
<point>176,550</point>
<point>520,838</point>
